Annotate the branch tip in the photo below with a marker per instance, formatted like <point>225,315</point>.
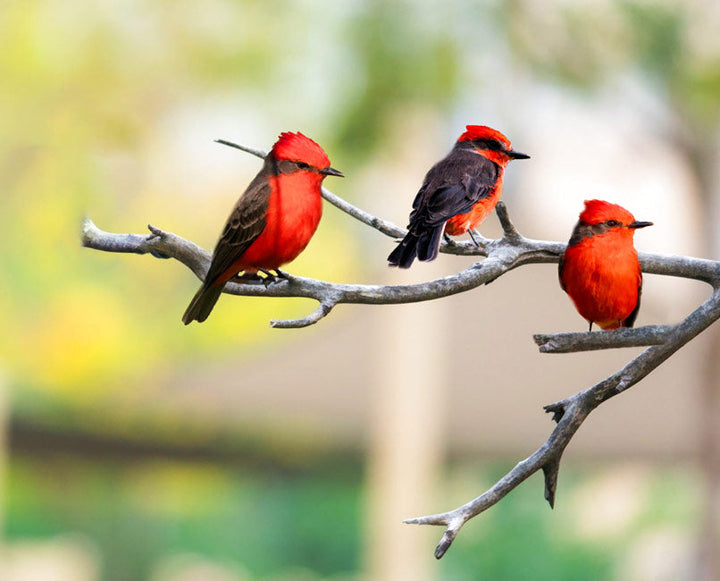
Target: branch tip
<point>508,227</point>
<point>87,226</point>
<point>557,410</point>
<point>320,312</point>
<point>551,471</point>
<point>251,150</point>
<point>155,232</point>
<point>445,543</point>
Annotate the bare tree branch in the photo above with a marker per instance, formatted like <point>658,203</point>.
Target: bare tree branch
<point>501,256</point>
<point>569,415</point>
<point>574,342</point>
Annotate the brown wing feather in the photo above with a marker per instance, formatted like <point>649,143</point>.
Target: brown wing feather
<point>245,224</point>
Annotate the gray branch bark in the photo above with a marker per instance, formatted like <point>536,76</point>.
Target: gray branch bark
<point>500,256</point>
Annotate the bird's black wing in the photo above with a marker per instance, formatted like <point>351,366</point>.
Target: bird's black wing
<point>630,321</point>
<point>245,224</point>
<point>561,267</point>
<point>451,187</point>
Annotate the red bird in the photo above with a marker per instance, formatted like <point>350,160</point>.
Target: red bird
<point>600,269</point>
<point>272,222</point>
<point>457,194</point>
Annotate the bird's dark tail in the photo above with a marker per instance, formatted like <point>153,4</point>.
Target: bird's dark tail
<point>202,303</point>
<point>423,247</point>
<point>429,243</point>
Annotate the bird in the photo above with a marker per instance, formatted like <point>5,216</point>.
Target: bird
<point>599,270</point>
<point>457,193</point>
<point>271,223</point>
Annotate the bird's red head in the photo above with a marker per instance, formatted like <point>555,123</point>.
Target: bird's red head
<point>491,143</point>
<point>599,211</point>
<point>297,147</point>
<point>482,132</point>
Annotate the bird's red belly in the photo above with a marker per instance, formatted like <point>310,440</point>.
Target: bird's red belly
<point>605,291</point>
<point>460,224</point>
<point>293,216</point>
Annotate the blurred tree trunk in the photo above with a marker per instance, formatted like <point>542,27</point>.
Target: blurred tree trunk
<point>703,157</point>
<point>410,361</point>
<point>407,443</point>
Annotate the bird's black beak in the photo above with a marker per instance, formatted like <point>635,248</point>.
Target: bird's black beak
<point>517,155</point>
<point>637,224</point>
<point>331,171</point>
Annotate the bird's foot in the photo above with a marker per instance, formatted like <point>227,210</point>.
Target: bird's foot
<point>273,277</point>
<point>247,278</point>
<point>477,239</point>
<point>284,275</point>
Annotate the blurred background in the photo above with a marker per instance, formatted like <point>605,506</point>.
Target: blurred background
<point>134,448</point>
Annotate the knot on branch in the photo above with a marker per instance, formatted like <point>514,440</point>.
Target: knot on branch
<point>156,234</point>
<point>557,409</point>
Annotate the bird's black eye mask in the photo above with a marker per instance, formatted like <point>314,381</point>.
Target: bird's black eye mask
<point>490,144</point>
<point>583,230</point>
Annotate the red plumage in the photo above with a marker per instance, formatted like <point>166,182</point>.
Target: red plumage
<point>457,193</point>
<point>272,222</point>
<point>476,132</point>
<point>600,269</point>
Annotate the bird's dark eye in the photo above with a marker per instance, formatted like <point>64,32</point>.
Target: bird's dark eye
<point>494,145</point>
<point>302,165</point>
<point>613,223</point>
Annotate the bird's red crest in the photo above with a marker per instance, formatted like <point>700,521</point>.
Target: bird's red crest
<point>597,211</point>
<point>475,132</point>
<point>297,147</point>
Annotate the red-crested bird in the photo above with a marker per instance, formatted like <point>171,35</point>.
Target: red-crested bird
<point>457,194</point>
<point>600,269</point>
<point>271,223</point>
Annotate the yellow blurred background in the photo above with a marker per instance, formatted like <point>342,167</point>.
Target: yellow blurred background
<point>139,449</point>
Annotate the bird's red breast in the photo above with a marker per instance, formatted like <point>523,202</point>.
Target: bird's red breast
<point>272,222</point>
<point>293,214</point>
<point>602,277</point>
<point>600,269</point>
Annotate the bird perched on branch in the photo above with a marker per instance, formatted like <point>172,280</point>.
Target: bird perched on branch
<point>600,269</point>
<point>457,194</point>
<point>271,223</point>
